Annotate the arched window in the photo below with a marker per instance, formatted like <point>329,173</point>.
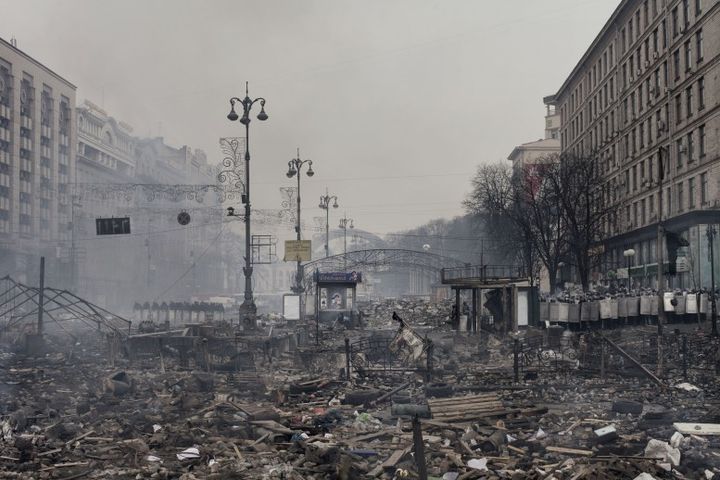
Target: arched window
<point>108,138</point>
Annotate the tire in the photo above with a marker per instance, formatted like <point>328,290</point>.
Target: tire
<point>627,406</point>
<point>360,397</point>
<point>438,390</point>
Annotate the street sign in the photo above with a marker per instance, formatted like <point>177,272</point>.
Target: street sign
<point>682,264</point>
<point>112,226</point>
<point>298,250</point>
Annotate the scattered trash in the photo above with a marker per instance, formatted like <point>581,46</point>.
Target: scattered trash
<point>189,454</point>
<point>663,451</point>
<point>478,464</point>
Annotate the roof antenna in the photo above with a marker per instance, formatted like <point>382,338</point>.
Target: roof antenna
<point>13,41</point>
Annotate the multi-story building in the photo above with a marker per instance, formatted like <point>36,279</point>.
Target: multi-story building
<point>539,150</point>
<point>37,160</point>
<point>528,159</point>
<point>644,101</point>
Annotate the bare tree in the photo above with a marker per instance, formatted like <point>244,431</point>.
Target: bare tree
<point>503,197</point>
<point>579,186</point>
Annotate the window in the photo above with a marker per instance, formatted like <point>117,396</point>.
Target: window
<point>691,193</point>
<point>635,214</point>
<point>680,197</point>
<point>678,108</point>
<point>646,13</point>
<point>698,7</point>
<point>703,188</point>
<point>655,40</point>
<point>623,40</point>
<point>627,182</point>
<point>678,153</point>
<point>634,178</point>
<point>664,34</point>
<point>701,93</point>
<point>690,147</point>
<point>651,202</point>
<point>676,64</point>
<point>686,13</point>
<point>701,140</point>
<point>642,212</point>
<point>675,24</point>
<point>642,135</point>
<point>689,101</point>
<point>688,56</point>
<point>630,32</point>
<point>668,200</point>
<point>640,97</point>
<point>626,113</point>
<point>699,46</point>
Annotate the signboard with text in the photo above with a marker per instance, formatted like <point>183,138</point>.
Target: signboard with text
<point>112,226</point>
<point>298,250</point>
<point>338,277</point>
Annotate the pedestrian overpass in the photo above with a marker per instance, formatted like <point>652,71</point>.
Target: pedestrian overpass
<point>421,270</point>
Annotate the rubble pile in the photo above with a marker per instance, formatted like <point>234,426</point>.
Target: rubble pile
<point>416,312</point>
<point>295,415</point>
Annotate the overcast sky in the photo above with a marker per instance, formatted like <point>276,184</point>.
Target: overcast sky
<point>396,101</point>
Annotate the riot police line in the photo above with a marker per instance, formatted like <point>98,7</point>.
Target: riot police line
<point>596,310</point>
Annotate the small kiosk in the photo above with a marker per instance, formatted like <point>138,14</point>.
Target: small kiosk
<point>335,295</point>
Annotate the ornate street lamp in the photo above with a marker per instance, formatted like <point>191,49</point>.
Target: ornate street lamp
<point>248,305</point>
<point>345,223</point>
<point>325,204</point>
<point>294,168</point>
<point>628,254</point>
<point>713,313</point>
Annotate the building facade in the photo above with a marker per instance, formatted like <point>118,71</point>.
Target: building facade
<point>525,159</point>
<point>38,139</point>
<point>643,101</point>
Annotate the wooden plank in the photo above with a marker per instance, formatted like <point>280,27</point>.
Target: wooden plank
<point>475,416</point>
<point>465,399</point>
<point>395,458</point>
<point>450,406</point>
<point>697,428</point>
<point>439,424</point>
<point>570,451</point>
<point>273,426</point>
<point>369,436</point>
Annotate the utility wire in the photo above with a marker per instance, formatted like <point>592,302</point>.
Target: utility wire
<point>191,266</point>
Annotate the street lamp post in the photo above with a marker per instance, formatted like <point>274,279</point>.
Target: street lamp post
<point>294,167</point>
<point>325,204</point>
<point>247,103</point>
<point>711,241</point>
<point>628,254</point>
<point>345,223</point>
